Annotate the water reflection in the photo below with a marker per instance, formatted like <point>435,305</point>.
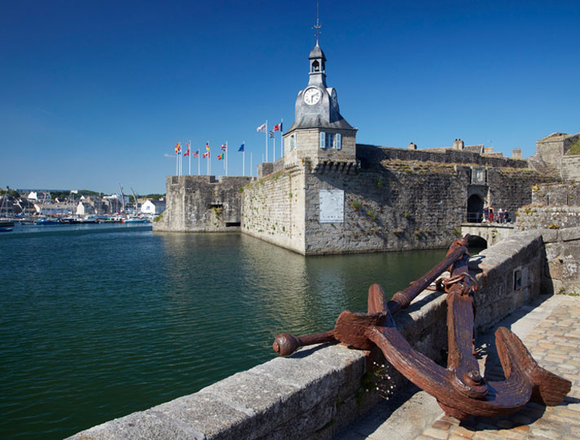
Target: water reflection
<point>98,323</point>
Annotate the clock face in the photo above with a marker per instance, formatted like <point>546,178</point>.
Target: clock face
<point>312,96</point>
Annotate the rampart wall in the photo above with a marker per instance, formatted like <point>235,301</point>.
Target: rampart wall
<point>556,194</point>
<point>554,206</point>
<point>389,204</point>
<point>571,168</point>
<point>316,392</point>
<point>563,260</point>
<point>202,204</point>
<point>274,209</point>
<point>373,154</point>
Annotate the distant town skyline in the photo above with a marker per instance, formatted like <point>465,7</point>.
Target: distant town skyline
<point>97,94</point>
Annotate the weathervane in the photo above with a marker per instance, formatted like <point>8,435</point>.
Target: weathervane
<point>317,26</point>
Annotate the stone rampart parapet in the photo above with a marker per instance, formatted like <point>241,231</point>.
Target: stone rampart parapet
<point>370,154</point>
<point>202,204</point>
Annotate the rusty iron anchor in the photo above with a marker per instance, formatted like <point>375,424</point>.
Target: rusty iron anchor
<point>460,389</point>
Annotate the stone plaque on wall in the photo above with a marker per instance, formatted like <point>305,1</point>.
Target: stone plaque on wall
<point>331,206</point>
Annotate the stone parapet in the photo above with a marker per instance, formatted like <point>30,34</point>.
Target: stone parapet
<point>556,194</point>
<point>370,154</point>
<point>202,204</point>
<point>314,393</point>
<point>563,260</point>
<point>547,217</point>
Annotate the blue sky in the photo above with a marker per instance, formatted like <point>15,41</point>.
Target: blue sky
<point>97,93</point>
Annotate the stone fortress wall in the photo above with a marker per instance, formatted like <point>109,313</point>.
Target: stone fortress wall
<point>562,152</point>
<point>554,206</point>
<point>394,199</point>
<point>202,204</point>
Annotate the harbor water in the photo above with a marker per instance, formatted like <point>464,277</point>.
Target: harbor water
<point>98,321</point>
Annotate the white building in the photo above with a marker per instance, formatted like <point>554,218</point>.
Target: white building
<point>153,207</point>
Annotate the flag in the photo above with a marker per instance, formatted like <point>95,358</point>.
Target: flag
<point>205,155</point>
<point>220,156</point>
<point>195,154</point>
<point>177,148</point>
<point>272,134</point>
<point>207,146</point>
<point>262,128</point>
<point>242,149</point>
<point>277,127</point>
<point>224,147</point>
<point>187,152</point>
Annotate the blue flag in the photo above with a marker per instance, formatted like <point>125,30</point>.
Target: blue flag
<point>241,148</point>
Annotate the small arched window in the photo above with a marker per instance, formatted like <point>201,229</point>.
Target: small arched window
<point>316,66</point>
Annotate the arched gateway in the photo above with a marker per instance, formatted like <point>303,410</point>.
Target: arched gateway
<point>474,209</point>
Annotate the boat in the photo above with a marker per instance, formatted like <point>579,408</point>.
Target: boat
<point>47,222</point>
<point>89,219</point>
<point>6,225</point>
<point>135,220</point>
<point>69,220</point>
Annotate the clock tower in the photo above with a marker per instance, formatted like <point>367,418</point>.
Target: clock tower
<point>319,131</point>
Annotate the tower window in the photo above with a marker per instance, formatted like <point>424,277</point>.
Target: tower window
<point>316,66</point>
<point>330,140</point>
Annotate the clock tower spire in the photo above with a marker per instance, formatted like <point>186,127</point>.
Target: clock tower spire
<point>319,131</point>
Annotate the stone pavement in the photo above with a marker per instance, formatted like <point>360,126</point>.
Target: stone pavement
<point>550,329</point>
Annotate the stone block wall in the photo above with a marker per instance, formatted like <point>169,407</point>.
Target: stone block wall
<point>511,188</point>
<point>394,208</point>
<point>554,206</point>
<point>202,204</point>
<point>308,141</point>
<point>370,154</point>
<point>510,274</point>
<point>547,217</point>
<point>388,205</point>
<point>556,194</point>
<point>273,209</point>
<point>571,168</point>
<point>316,392</point>
<point>562,260</point>
<point>553,150</point>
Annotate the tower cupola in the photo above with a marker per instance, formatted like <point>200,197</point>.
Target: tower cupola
<point>317,66</point>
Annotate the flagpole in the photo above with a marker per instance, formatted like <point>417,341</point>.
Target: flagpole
<point>189,149</point>
<point>267,134</point>
<point>226,158</point>
<point>251,170</point>
<point>198,163</point>
<point>274,147</point>
<point>176,162</point>
<point>281,139</point>
<point>244,159</point>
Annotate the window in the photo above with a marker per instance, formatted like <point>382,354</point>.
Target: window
<point>517,279</point>
<point>330,140</point>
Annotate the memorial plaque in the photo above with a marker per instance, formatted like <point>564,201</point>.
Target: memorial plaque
<point>332,206</point>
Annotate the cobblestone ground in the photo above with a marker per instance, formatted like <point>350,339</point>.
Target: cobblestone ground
<point>555,344</point>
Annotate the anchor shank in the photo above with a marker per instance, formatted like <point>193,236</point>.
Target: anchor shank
<point>402,299</point>
<point>460,360</point>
